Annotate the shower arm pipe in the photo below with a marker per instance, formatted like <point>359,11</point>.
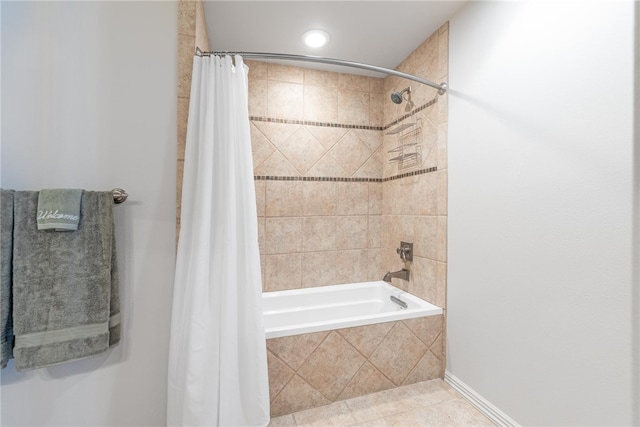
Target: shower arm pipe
<point>442,87</point>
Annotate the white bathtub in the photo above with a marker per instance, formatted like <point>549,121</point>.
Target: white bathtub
<point>301,311</point>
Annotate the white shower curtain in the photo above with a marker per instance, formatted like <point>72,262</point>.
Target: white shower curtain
<point>217,358</point>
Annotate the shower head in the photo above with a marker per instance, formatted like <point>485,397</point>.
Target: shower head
<point>397,97</point>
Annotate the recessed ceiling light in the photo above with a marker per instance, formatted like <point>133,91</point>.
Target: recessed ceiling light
<point>315,38</point>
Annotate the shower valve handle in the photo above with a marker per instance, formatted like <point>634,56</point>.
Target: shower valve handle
<point>405,251</point>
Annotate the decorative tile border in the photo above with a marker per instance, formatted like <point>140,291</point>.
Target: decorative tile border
<point>338,179</point>
<point>412,173</point>
<point>412,113</point>
<point>311,123</point>
<point>341,125</point>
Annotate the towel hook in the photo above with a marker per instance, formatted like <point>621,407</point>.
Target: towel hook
<point>119,195</point>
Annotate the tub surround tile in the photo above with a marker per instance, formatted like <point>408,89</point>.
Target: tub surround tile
<point>428,368</point>
<point>442,185</point>
<point>372,139</point>
<point>393,364</point>
<point>353,82</point>
<point>283,235</point>
<point>366,338</point>
<point>257,97</point>
<point>297,395</point>
<point>351,232</point>
<point>367,380</point>
<point>260,189</point>
<point>376,109</point>
<point>261,239</point>
<point>319,198</point>
<point>323,374</point>
<point>285,73</point>
<point>425,194</point>
<point>375,198</point>
<point>282,198</point>
<point>294,350</point>
<point>183,114</point>
<point>187,17</point>
<point>441,277</point>
<point>319,233</point>
<point>261,148</point>
<point>320,78</point>
<point>376,271</point>
<point>352,266</point>
<point>427,329</point>
<point>424,279</point>
<point>437,347</point>
<point>327,136</point>
<point>374,233</point>
<point>284,100</point>
<point>327,166</point>
<point>371,168</point>
<point>257,69</point>
<point>352,198</point>
<point>442,153</point>
<point>425,230</point>
<point>318,269</point>
<point>350,362</point>
<point>276,165</point>
<point>442,239</point>
<point>280,374</point>
<point>186,47</point>
<point>302,150</point>
<point>350,152</point>
<point>320,104</point>
<point>282,272</point>
<point>276,133</point>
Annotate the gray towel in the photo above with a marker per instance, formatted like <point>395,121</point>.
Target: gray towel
<point>65,285</point>
<point>59,209</point>
<point>6,254</point>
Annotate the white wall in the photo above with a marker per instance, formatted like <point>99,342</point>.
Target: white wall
<point>88,100</point>
<point>541,209</point>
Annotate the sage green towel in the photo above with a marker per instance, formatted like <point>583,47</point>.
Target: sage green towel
<point>65,285</point>
<point>59,209</point>
<point>6,255</point>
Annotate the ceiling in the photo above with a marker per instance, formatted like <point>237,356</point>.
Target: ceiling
<point>380,33</point>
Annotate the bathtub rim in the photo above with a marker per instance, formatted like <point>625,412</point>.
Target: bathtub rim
<point>424,309</point>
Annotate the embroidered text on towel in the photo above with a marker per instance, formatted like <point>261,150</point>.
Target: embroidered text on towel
<point>56,215</point>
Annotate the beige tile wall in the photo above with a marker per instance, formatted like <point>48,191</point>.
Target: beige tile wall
<point>320,233</point>
<point>192,33</point>
<point>310,123</point>
<point>415,207</point>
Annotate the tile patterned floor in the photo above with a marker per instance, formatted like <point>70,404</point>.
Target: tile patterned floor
<point>430,403</point>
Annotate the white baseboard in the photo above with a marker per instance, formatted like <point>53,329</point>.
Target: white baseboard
<point>493,413</point>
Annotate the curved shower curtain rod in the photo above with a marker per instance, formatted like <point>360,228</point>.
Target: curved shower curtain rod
<point>442,87</point>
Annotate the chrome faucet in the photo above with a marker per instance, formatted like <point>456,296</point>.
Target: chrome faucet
<point>400,274</point>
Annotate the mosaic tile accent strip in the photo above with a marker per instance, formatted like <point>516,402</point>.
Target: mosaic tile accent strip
<point>412,113</point>
<point>338,179</point>
<point>342,125</point>
<point>312,123</point>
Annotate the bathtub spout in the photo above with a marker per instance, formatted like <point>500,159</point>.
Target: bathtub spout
<point>400,274</point>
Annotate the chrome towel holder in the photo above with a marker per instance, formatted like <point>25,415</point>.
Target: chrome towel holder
<point>119,195</point>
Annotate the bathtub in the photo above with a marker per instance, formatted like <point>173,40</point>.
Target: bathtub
<point>301,311</point>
